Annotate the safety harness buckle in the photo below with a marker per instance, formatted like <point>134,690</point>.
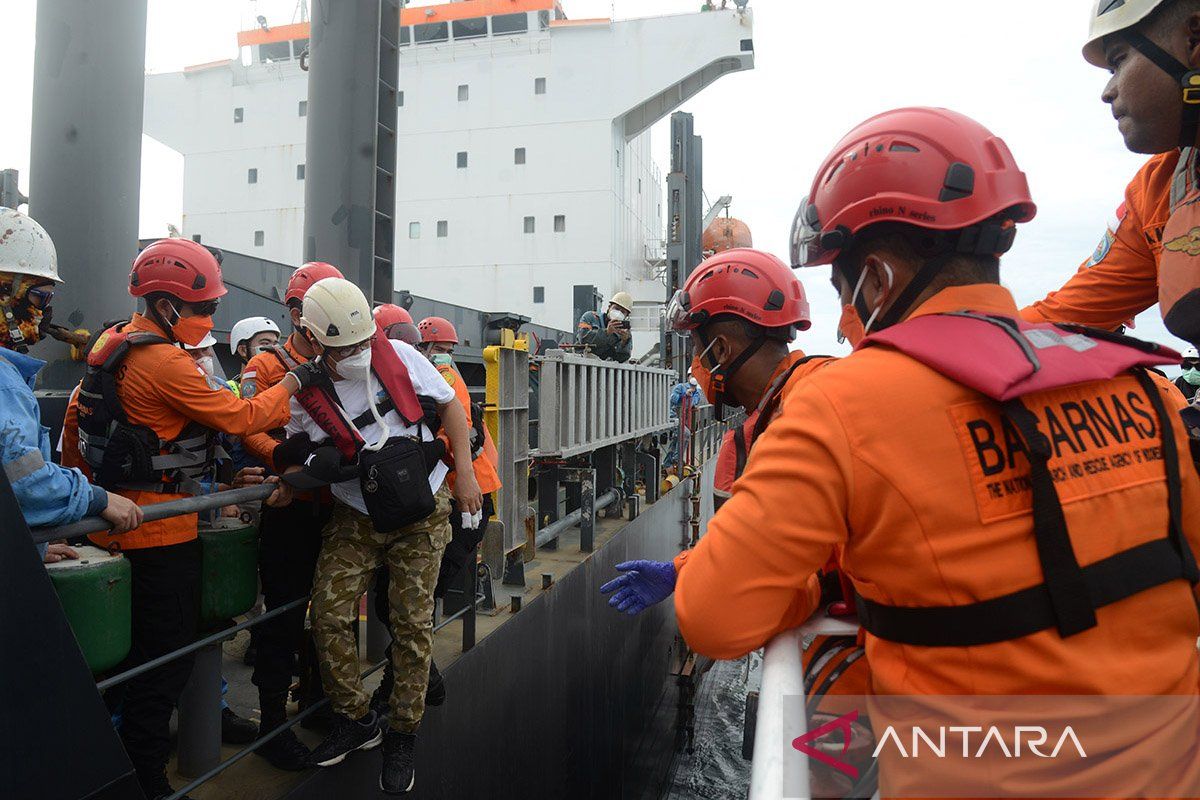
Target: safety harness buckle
<point>1191,88</point>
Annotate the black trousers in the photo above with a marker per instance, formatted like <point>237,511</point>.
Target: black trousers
<point>460,550</point>
<point>166,607</point>
<point>289,541</point>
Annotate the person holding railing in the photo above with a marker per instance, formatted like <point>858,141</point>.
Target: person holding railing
<point>48,494</point>
<point>992,552</point>
<point>145,422</point>
<point>365,424</point>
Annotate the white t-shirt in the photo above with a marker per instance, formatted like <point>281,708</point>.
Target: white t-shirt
<point>426,381</point>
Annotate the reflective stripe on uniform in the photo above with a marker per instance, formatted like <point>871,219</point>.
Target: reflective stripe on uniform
<point>24,466</point>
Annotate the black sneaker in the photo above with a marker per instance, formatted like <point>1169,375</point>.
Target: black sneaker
<point>398,774</point>
<point>235,729</point>
<point>347,736</point>
<point>435,692</point>
<point>287,752</point>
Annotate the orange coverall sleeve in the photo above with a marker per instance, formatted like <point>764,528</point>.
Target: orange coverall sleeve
<point>1118,282</point>
<point>181,386</point>
<point>267,373</point>
<point>752,575</point>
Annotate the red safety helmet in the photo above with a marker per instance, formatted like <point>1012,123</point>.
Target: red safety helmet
<point>928,167</point>
<point>437,329</point>
<point>306,276</point>
<point>179,267</point>
<point>388,315</point>
<point>750,284</point>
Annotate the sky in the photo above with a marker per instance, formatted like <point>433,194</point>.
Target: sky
<point>821,68</point>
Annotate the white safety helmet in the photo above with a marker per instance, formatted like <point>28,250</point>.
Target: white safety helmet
<point>1191,353</point>
<point>249,328</point>
<point>1112,16</point>
<point>207,341</point>
<point>623,300</point>
<point>25,247</point>
<point>337,313</point>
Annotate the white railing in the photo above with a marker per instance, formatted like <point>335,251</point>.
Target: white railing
<point>585,404</point>
<point>775,729</point>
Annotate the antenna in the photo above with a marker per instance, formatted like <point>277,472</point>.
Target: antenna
<point>301,11</point>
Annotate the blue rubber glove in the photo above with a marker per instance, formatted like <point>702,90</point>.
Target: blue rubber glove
<point>643,584</point>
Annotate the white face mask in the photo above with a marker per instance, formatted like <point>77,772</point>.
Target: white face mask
<point>357,367</point>
<point>858,288</point>
<point>205,363</point>
<point>616,315</point>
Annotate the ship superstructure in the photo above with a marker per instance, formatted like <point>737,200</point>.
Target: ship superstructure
<point>526,166</point>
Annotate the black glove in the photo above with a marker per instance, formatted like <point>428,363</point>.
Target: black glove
<point>309,374</point>
<point>432,413</point>
<point>292,451</point>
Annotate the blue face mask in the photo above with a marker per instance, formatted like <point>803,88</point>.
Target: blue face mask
<point>1192,376</point>
<point>442,360</point>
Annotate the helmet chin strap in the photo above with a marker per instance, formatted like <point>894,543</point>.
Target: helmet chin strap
<point>1187,78</point>
<point>722,375</point>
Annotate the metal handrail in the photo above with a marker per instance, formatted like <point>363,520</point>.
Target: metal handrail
<point>157,511</point>
<point>775,728</point>
<point>219,636</point>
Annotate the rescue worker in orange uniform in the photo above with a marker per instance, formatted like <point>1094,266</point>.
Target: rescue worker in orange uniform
<point>289,541</point>
<point>438,340</point>
<point>146,420</point>
<point>1150,252</point>
<point>1022,519</point>
<point>742,308</point>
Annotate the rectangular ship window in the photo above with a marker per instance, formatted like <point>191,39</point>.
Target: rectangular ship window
<point>414,230</point>
<point>472,28</point>
<point>504,24</point>
<point>252,175</point>
<point>464,93</point>
<point>443,228</point>
<point>519,155</point>
<point>560,223</point>
<point>539,85</point>
<point>539,294</point>
<point>431,32</point>
<point>259,238</point>
<point>462,159</point>
<point>529,225</point>
<point>275,51</point>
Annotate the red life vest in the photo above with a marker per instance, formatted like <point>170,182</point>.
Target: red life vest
<point>320,401</point>
<point>1006,358</point>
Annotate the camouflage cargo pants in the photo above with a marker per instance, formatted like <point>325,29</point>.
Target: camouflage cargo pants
<point>350,552</point>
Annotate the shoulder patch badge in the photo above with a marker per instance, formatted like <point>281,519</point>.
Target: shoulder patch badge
<point>1188,243</point>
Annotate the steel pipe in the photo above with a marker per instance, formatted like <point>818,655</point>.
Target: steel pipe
<point>554,529</point>
<point>171,508</point>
